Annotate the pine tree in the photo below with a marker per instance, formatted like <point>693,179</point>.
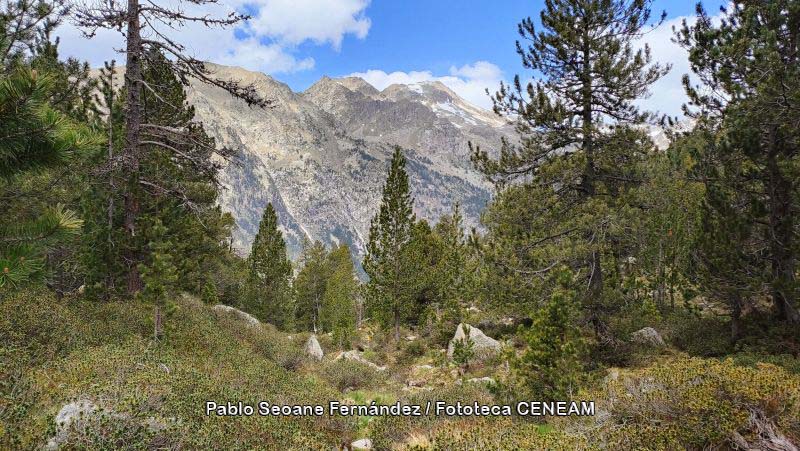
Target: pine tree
<point>454,273</point>
<point>309,286</point>
<point>159,275</point>
<point>550,367</point>
<point>338,311</point>
<point>749,67</point>
<point>269,297</point>
<point>35,137</point>
<point>143,30</point>
<point>562,185</point>
<point>179,194</point>
<point>209,295</point>
<point>390,292</point>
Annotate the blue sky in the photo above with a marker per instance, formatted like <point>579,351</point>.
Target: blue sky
<point>433,35</point>
<point>467,44</point>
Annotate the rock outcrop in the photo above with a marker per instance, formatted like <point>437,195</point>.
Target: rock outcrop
<point>362,443</point>
<point>482,345</point>
<point>249,319</point>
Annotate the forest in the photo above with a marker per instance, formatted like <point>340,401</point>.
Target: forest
<point>660,283</point>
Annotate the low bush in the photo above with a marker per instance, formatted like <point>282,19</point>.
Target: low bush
<point>350,375</point>
<point>693,403</point>
<point>201,358</point>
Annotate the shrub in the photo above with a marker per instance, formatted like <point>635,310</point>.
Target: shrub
<point>700,404</point>
<point>699,335</point>
<point>499,434</point>
<point>463,350</point>
<point>412,350</point>
<point>386,431</point>
<point>348,374</point>
<point>203,357</point>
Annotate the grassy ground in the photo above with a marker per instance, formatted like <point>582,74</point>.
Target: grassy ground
<point>53,352</point>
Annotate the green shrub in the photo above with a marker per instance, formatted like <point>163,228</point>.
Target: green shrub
<point>348,374</point>
<point>463,350</point>
<point>499,435</point>
<point>699,335</point>
<point>550,367</point>
<point>411,351</point>
<point>693,403</point>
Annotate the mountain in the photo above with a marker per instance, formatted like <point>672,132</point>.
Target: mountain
<point>321,156</point>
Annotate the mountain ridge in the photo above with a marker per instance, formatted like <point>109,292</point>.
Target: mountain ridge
<point>320,156</point>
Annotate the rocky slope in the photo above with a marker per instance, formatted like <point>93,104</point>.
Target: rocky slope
<point>321,156</point>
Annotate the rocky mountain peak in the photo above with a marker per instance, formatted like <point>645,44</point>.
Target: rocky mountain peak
<point>320,156</point>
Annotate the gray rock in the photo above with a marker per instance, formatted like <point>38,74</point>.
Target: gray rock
<point>357,357</point>
<point>69,414</point>
<point>246,317</point>
<point>648,336</point>
<point>481,380</point>
<point>362,443</point>
<point>482,345</point>
<point>313,349</point>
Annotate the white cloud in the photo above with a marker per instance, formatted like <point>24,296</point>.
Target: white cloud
<point>270,58</point>
<point>469,81</point>
<point>667,94</point>
<point>272,34</point>
<point>322,21</point>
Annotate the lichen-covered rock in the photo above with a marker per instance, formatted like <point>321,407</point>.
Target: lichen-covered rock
<point>648,336</point>
<point>482,345</point>
<point>313,349</point>
<point>244,316</point>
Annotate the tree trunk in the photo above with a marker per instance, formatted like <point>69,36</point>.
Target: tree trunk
<point>595,286</point>
<point>397,326</point>
<point>158,325</point>
<point>781,227</point>
<point>111,187</point>
<point>133,123</point>
<point>736,316</point>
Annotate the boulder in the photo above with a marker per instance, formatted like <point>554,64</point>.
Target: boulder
<point>313,349</point>
<point>246,317</point>
<point>649,337</point>
<point>357,357</point>
<point>482,345</point>
<point>362,443</point>
<point>69,414</point>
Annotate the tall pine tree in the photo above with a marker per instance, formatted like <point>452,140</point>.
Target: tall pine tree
<point>749,66</point>
<point>309,286</point>
<point>561,187</point>
<point>390,291</point>
<point>269,297</point>
<point>338,303</point>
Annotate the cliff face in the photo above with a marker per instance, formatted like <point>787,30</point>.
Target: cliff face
<point>321,156</point>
